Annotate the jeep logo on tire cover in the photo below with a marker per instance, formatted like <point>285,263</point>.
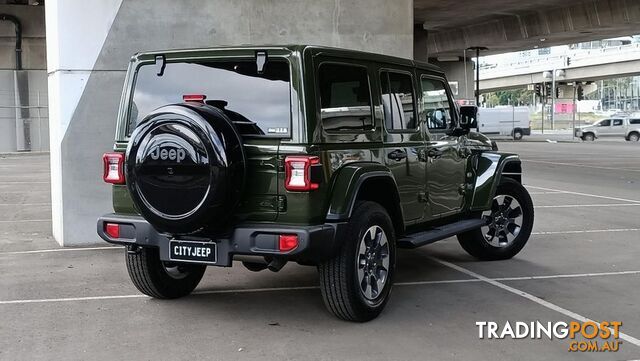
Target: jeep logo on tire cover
<point>168,154</point>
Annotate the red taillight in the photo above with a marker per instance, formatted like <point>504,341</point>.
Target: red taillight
<point>198,98</point>
<point>288,242</point>
<point>112,230</point>
<point>297,171</point>
<point>113,168</point>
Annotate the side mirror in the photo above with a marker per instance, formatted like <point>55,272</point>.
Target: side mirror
<point>468,116</point>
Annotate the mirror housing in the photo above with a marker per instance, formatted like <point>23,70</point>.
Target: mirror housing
<point>468,117</point>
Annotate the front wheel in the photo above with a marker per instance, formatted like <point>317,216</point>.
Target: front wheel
<point>588,137</point>
<point>356,282</point>
<point>160,279</point>
<point>509,224</point>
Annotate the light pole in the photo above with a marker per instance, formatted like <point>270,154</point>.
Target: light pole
<point>477,50</point>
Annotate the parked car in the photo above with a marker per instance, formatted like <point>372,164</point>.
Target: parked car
<point>629,128</point>
<point>506,121</point>
<point>348,157</point>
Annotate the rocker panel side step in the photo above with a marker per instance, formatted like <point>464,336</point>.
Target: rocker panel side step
<point>435,234</point>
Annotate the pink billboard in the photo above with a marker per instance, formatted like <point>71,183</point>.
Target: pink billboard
<point>564,107</point>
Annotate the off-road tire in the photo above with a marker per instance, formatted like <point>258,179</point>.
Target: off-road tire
<point>149,274</point>
<point>339,283</point>
<point>474,242</point>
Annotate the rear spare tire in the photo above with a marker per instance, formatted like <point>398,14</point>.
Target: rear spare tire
<point>185,168</point>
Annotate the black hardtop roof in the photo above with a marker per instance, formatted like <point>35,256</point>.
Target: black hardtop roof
<point>316,49</point>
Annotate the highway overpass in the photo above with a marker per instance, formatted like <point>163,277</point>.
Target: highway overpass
<point>578,65</point>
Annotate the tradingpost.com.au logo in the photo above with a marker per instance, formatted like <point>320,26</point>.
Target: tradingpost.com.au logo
<point>583,336</point>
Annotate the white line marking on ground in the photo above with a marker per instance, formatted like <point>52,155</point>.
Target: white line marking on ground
<point>27,191</point>
<point>61,250</point>
<point>300,288</point>
<point>590,205</point>
<point>537,193</point>
<point>531,297</point>
<point>581,165</point>
<point>24,204</point>
<point>589,231</point>
<point>26,220</point>
<point>585,194</point>
<point>21,182</point>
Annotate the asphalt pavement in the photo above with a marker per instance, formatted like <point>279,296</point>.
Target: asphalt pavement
<point>581,262</point>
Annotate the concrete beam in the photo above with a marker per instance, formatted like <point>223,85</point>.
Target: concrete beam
<point>523,27</point>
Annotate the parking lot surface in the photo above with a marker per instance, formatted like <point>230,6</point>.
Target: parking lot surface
<point>581,263</point>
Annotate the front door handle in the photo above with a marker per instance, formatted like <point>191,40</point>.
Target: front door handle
<point>434,152</point>
<point>397,154</point>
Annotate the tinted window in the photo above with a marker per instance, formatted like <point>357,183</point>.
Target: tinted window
<point>436,105</point>
<point>634,121</point>
<point>345,97</point>
<point>258,104</point>
<point>398,101</point>
<point>617,122</point>
<point>605,123</point>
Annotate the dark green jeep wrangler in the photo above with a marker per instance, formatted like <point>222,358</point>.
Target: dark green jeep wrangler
<point>326,157</point>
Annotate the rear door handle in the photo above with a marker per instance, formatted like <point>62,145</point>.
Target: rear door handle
<point>397,154</point>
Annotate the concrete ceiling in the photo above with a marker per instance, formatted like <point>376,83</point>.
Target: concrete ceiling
<point>512,25</point>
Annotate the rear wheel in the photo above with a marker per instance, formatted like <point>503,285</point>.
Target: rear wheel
<point>509,224</point>
<point>357,282</point>
<point>517,134</point>
<point>633,137</point>
<point>160,279</point>
<point>588,137</point>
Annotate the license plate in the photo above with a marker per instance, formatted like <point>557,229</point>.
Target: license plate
<point>195,252</point>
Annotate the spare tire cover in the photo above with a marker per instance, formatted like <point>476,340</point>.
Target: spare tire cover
<point>185,168</point>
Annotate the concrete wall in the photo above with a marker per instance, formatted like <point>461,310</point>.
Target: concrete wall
<point>23,94</point>
<point>87,68</point>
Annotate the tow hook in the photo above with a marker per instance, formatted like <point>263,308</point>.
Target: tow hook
<point>134,249</point>
<point>276,264</point>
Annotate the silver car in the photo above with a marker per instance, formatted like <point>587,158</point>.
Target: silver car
<point>629,128</point>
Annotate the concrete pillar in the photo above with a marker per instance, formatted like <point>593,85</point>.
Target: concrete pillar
<point>420,41</point>
<point>89,44</point>
<point>460,74</point>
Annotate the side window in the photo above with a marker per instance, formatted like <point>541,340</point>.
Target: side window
<point>398,101</point>
<point>435,104</point>
<point>345,97</point>
<point>604,123</point>
<point>617,122</point>
<point>634,121</point>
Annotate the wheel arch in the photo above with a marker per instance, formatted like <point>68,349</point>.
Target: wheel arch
<point>364,181</point>
<point>490,169</point>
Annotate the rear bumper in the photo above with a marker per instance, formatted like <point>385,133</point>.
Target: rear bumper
<point>526,131</point>
<point>315,243</point>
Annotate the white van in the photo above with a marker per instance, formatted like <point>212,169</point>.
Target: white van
<point>505,120</point>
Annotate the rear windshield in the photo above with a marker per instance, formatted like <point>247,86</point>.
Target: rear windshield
<point>259,104</point>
